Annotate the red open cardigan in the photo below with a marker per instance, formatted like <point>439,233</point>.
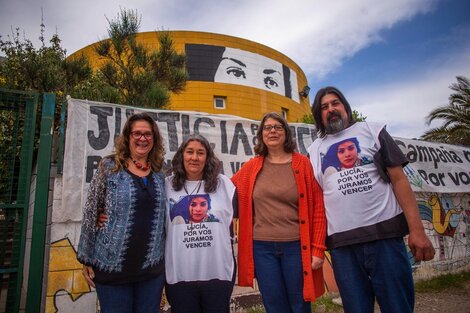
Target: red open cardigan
<point>312,222</point>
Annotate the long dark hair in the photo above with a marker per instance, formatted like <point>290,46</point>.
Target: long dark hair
<point>211,167</point>
<point>289,145</point>
<point>122,151</point>
<point>316,108</point>
<point>331,157</point>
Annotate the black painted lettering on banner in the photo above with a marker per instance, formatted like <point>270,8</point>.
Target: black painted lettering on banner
<point>301,132</point>
<point>130,112</point>
<point>101,141</point>
<point>236,166</point>
<point>185,125</point>
<point>201,120</point>
<point>239,134</point>
<point>205,120</point>
<point>466,155</point>
<point>92,162</point>
<point>439,179</point>
<point>424,153</point>
<point>223,137</point>
<point>170,119</point>
<point>254,129</point>
<point>117,124</point>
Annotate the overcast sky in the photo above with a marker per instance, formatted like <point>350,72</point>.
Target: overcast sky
<point>393,59</point>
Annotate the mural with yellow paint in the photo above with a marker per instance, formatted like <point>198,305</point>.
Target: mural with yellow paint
<point>67,290</point>
<point>449,216</point>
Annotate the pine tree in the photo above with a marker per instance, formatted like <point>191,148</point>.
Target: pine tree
<point>139,76</point>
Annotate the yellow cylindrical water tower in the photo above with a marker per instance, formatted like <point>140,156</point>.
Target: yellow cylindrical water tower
<point>230,75</point>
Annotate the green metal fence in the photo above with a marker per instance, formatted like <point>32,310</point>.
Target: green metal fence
<point>17,131</point>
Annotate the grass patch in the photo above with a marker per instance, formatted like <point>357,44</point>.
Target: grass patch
<point>442,282</point>
<point>256,309</point>
<point>327,303</point>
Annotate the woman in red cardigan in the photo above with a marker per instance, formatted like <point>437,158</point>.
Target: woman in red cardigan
<point>282,225</point>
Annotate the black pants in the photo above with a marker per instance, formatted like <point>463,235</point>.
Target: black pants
<point>211,296</point>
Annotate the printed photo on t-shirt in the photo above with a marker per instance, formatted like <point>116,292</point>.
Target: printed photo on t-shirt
<point>343,155</point>
<point>192,209</point>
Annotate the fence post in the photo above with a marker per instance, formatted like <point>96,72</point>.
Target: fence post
<point>36,265</point>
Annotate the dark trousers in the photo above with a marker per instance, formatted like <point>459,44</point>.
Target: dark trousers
<point>140,297</point>
<point>211,296</point>
<point>378,269</point>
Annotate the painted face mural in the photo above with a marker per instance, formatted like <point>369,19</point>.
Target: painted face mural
<point>235,66</point>
<point>249,69</point>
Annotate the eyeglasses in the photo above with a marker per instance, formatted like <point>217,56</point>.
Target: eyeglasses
<point>278,128</point>
<point>137,135</point>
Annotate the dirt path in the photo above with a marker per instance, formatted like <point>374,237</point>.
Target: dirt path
<point>451,300</point>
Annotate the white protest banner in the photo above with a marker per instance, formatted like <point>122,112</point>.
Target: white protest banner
<point>436,167</point>
<point>92,127</point>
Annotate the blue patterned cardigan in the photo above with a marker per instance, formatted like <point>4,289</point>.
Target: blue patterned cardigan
<point>114,191</point>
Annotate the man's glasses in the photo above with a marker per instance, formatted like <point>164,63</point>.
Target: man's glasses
<point>277,128</point>
<point>137,135</point>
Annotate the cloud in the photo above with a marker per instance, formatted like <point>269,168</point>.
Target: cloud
<point>404,105</point>
<point>317,35</point>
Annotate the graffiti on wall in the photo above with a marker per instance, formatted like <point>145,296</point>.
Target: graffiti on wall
<point>67,290</point>
<point>448,216</point>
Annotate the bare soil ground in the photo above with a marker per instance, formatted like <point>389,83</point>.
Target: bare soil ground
<point>451,300</point>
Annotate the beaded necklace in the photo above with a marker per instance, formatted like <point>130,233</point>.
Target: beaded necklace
<point>141,166</point>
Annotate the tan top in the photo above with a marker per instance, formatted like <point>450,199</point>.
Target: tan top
<point>275,199</point>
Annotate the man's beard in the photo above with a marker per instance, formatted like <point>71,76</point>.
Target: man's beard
<point>337,125</point>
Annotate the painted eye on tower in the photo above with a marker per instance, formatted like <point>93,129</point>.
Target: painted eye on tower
<point>270,82</point>
<point>236,72</point>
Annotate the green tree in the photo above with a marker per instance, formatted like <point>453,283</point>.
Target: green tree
<point>45,69</point>
<point>95,88</point>
<point>456,116</point>
<point>357,116</point>
<point>24,67</point>
<point>308,118</point>
<point>141,77</point>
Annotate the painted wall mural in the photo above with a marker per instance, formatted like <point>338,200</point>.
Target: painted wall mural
<point>234,66</point>
<point>447,217</point>
<point>67,290</point>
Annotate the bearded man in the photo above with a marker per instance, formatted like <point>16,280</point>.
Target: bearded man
<point>369,207</point>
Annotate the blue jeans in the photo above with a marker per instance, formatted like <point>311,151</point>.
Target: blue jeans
<point>378,269</point>
<point>211,296</point>
<point>139,297</point>
<point>279,273</point>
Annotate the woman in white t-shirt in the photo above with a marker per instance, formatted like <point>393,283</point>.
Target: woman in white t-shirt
<point>201,205</point>
<point>199,260</point>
